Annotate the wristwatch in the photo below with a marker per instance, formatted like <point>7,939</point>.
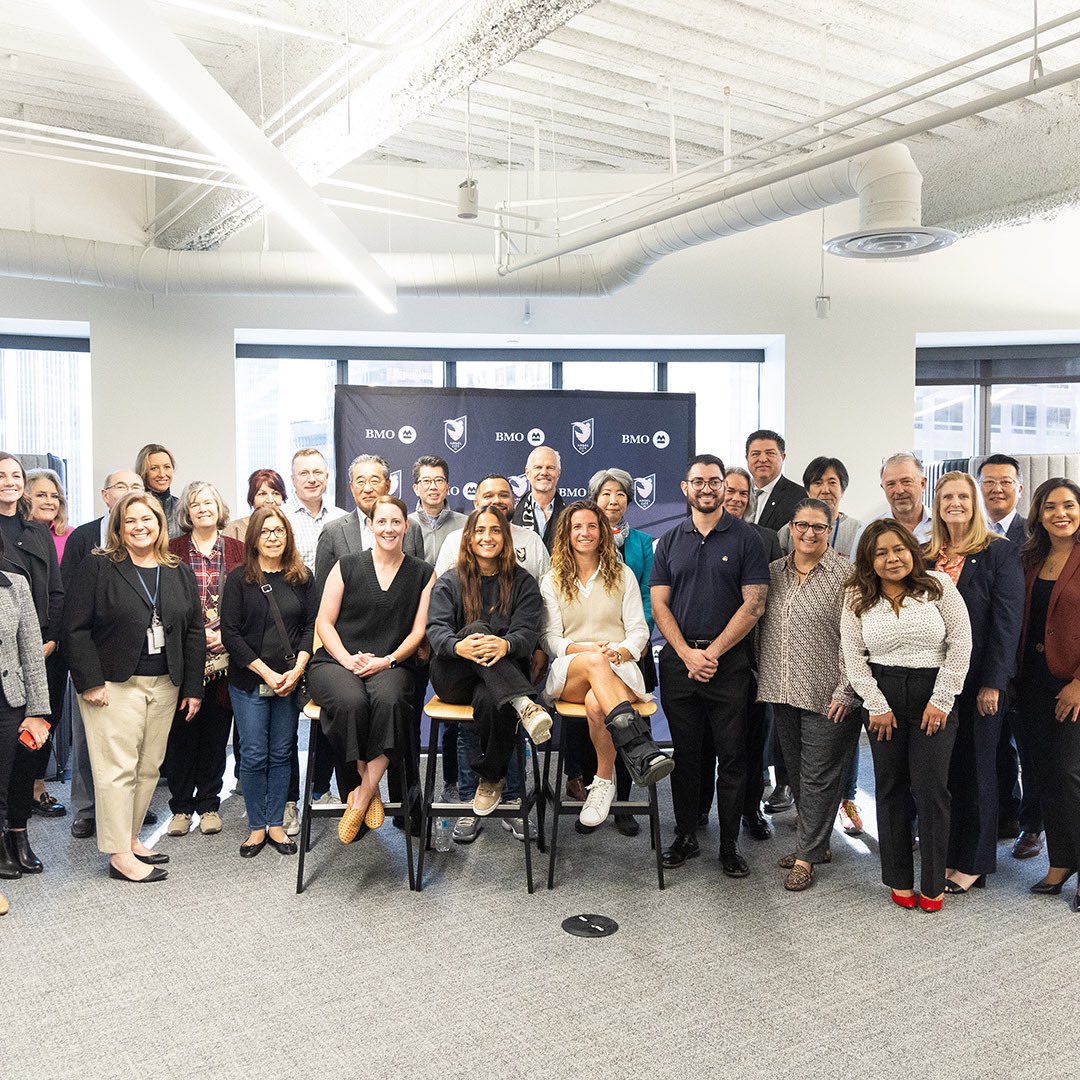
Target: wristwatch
<point>392,662</point>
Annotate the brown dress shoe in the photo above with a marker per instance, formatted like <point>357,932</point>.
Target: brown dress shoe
<point>575,789</point>
<point>1028,845</point>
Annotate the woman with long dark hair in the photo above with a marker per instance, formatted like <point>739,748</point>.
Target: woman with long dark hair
<point>483,624</point>
<point>371,621</point>
<point>907,642</point>
<point>133,635</point>
<point>267,625</point>
<point>595,632</point>
<point>986,570</point>
<point>1050,671</point>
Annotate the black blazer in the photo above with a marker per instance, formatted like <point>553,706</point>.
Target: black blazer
<point>781,505</point>
<point>1017,530</point>
<point>79,544</point>
<point>769,541</point>
<point>106,619</point>
<point>992,585</point>
<point>46,585</point>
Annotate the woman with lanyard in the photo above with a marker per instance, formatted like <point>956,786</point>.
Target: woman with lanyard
<point>133,634</point>
<point>29,551</point>
<point>195,760</point>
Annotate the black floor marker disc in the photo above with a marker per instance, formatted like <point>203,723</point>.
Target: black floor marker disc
<point>590,926</point>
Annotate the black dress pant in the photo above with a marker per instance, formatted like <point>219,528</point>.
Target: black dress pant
<point>1056,750</point>
<point>912,778</point>
<point>10,719</point>
<point>1022,725</point>
<point>196,753</point>
<point>718,707</point>
<point>488,690</point>
<point>973,786</point>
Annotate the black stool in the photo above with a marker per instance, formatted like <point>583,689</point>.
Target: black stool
<point>571,712</point>
<point>439,712</point>
<point>405,809</point>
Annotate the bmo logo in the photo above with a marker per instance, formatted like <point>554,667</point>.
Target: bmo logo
<point>509,436</point>
<point>469,490</point>
<point>660,439</point>
<point>535,437</point>
<point>636,440</point>
<point>406,434</point>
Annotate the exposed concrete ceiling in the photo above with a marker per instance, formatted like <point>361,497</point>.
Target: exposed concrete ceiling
<point>610,85</point>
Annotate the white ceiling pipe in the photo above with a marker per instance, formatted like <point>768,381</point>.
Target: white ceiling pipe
<point>887,173</point>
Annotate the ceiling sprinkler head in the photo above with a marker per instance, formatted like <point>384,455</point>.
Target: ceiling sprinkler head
<point>885,243</point>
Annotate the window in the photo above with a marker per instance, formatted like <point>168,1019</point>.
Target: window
<point>949,418</point>
<point>395,373</point>
<point>44,409</point>
<point>610,375</point>
<point>506,374</point>
<point>995,419</point>
<point>942,413</point>
<point>1023,419</point>
<point>728,403</point>
<point>1058,420</point>
<point>1038,418</point>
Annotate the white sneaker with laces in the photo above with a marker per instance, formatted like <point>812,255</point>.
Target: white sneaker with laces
<point>536,720</point>
<point>598,802</point>
<point>291,823</point>
<point>328,799</point>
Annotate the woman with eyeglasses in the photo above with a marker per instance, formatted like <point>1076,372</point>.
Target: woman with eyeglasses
<point>195,762</point>
<point>265,488</point>
<point>267,626</point>
<point>986,570</point>
<point>1050,671</point>
<point>906,638</point>
<point>801,673</point>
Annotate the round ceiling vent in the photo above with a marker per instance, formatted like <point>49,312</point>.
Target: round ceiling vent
<point>890,243</point>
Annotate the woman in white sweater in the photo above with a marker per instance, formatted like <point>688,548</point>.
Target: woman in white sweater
<point>906,639</point>
<point>595,632</point>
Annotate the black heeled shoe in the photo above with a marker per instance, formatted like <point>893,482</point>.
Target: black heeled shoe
<point>1046,888</point>
<point>155,858</point>
<point>157,874</point>
<point>19,849</point>
<point>953,889</point>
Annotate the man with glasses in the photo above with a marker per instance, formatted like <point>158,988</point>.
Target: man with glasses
<point>431,484</point>
<point>80,543</point>
<point>1002,485</point>
<point>708,587</point>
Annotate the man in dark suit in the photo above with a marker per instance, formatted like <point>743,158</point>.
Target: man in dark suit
<point>540,509</point>
<point>369,478</point>
<point>79,544</point>
<point>1019,814</point>
<point>774,496</point>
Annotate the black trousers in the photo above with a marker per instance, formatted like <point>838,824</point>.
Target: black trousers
<point>10,719</point>
<point>1056,749</point>
<point>196,753</point>
<point>487,690</point>
<point>1020,724</point>
<point>718,707</point>
<point>912,778</point>
<point>974,789</point>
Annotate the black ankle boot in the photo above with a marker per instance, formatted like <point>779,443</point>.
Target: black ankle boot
<point>9,864</point>
<point>632,737</point>
<point>19,849</point>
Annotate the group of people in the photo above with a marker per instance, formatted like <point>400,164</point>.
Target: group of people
<point>949,634</point>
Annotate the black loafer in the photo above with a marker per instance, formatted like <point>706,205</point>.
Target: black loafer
<point>155,858</point>
<point>627,824</point>
<point>150,819</point>
<point>684,846</point>
<point>46,806</point>
<point>83,828</point>
<point>780,800</point>
<point>288,847</point>
<point>757,826</point>
<point>157,874</point>
<point>249,851</point>
<point>732,863</point>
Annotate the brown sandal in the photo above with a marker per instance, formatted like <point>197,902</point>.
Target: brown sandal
<point>799,878</point>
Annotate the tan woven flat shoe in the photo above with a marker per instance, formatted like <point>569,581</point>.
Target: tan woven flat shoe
<point>349,825</point>
<point>376,813</point>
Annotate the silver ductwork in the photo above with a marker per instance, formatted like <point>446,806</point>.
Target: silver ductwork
<point>885,180</point>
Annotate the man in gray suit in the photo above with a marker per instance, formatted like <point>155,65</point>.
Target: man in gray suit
<point>369,478</point>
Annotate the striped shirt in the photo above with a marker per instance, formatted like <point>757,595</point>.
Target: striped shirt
<point>307,526</point>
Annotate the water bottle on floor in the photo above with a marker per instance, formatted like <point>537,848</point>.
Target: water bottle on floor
<point>444,834</point>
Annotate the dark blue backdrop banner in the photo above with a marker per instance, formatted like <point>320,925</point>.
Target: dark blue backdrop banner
<point>485,431</point>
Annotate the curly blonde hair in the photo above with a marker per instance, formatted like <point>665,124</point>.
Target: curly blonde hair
<point>563,563</point>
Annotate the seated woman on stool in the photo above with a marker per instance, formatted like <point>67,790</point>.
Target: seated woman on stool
<point>595,632</point>
<point>483,626</point>
<point>371,619</point>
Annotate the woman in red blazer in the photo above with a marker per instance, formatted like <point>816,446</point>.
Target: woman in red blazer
<point>1050,670</point>
<point>195,761</point>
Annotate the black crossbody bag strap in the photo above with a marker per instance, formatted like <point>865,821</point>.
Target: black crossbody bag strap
<point>290,657</point>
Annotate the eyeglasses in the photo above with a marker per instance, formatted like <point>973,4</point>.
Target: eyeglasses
<point>989,485</point>
<point>816,527</point>
<point>124,488</point>
<point>362,482</point>
<point>276,533</point>
<point>714,483</point>
<point>430,482</point>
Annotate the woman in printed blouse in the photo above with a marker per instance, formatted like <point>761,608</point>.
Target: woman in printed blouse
<point>907,642</point>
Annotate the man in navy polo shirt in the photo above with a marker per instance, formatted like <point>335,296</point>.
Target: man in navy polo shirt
<point>708,587</point>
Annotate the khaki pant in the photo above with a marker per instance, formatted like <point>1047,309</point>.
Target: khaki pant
<point>126,740</point>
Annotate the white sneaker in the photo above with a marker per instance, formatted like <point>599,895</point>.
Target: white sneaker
<point>536,720</point>
<point>598,803</point>
<point>291,824</point>
<point>327,799</point>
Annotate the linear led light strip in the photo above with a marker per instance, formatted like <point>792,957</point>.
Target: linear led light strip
<point>154,59</point>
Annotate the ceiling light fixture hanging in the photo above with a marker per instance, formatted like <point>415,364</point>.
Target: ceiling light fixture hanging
<point>468,196</point>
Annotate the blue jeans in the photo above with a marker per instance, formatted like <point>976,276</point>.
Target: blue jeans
<point>267,727</point>
<point>468,747</point>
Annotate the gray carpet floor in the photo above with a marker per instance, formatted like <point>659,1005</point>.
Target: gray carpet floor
<point>224,971</point>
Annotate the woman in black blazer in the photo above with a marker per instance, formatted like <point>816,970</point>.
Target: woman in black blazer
<point>987,573</point>
<point>133,632</point>
<point>30,552</point>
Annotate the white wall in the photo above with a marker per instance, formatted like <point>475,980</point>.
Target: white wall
<point>163,366</point>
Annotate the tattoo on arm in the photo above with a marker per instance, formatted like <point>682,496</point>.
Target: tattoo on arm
<point>754,598</point>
